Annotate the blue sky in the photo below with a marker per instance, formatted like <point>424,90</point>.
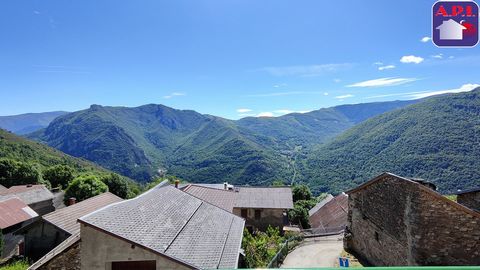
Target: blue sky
<point>226,58</point>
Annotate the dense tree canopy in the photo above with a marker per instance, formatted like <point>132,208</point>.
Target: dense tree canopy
<point>301,192</point>
<point>116,185</point>
<point>18,173</point>
<point>84,187</point>
<point>59,175</point>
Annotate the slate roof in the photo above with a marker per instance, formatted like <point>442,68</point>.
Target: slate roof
<point>173,223</point>
<point>29,194</point>
<point>2,188</point>
<point>224,199</point>
<point>332,216</point>
<point>264,197</point>
<point>14,211</point>
<point>66,218</point>
<point>320,204</point>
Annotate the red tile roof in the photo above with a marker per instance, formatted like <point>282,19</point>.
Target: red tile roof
<point>13,212</point>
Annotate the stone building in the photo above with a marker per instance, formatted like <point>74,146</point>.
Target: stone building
<point>395,221</point>
<point>163,228</point>
<point>37,197</point>
<point>54,228</point>
<point>65,256</point>
<point>470,198</point>
<point>259,206</point>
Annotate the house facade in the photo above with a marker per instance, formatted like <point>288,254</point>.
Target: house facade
<point>163,228</point>
<point>329,215</point>
<point>54,228</point>
<point>259,206</point>
<point>395,221</point>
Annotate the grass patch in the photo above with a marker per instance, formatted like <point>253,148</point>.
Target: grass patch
<point>18,265</point>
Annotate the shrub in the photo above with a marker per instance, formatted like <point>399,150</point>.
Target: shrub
<point>59,175</point>
<point>84,187</point>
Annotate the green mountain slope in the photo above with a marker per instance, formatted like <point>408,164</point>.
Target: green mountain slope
<point>21,149</point>
<point>29,122</point>
<point>437,139</point>
<point>139,142</point>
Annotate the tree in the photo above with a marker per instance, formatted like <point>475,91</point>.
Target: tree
<point>301,192</point>
<point>278,183</point>
<point>116,185</point>
<point>299,215</point>
<point>84,187</point>
<point>59,175</point>
<point>261,247</point>
<point>18,173</point>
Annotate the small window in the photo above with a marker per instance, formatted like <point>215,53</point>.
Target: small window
<point>376,236</point>
<point>258,214</point>
<point>244,213</point>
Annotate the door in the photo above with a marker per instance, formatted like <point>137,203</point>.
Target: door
<point>134,265</point>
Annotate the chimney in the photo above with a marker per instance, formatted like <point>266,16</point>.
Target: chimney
<point>177,182</point>
<point>225,185</point>
<point>71,201</point>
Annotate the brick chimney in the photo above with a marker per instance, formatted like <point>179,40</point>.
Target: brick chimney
<point>72,201</point>
<point>225,185</point>
<point>177,182</point>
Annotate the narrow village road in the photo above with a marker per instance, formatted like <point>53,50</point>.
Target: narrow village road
<point>315,252</point>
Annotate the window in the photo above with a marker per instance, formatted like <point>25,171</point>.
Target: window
<point>258,214</point>
<point>244,213</point>
<point>137,265</point>
<point>376,236</point>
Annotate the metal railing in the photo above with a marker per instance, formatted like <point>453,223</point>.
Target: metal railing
<point>286,246</point>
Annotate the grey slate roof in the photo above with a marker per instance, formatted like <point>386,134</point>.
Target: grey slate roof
<point>320,204</point>
<point>224,199</point>
<point>29,194</point>
<point>176,224</point>
<point>264,197</point>
<point>66,218</point>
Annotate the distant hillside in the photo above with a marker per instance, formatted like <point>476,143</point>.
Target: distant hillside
<point>29,122</point>
<point>437,139</point>
<point>138,142</point>
<point>21,149</point>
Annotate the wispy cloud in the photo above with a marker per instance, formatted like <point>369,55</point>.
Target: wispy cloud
<point>386,67</point>
<point>280,85</point>
<point>425,39</point>
<point>422,94</point>
<point>265,114</point>
<point>306,71</point>
<point>407,59</point>
<point>383,82</point>
<point>438,56</point>
<point>378,63</point>
<point>243,110</point>
<point>174,94</point>
<point>36,12</point>
<point>344,96</point>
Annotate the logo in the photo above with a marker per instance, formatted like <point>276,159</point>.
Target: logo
<point>455,23</point>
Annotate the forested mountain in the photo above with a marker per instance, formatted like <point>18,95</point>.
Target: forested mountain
<point>139,142</point>
<point>29,122</point>
<point>20,149</point>
<point>437,140</point>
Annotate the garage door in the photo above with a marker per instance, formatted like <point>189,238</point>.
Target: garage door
<point>134,265</point>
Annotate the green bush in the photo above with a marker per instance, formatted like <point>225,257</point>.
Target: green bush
<point>301,192</point>
<point>59,175</point>
<point>116,185</point>
<point>18,173</point>
<point>84,187</point>
<point>18,265</point>
<point>261,247</point>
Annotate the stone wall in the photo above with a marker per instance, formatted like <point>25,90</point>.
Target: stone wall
<point>99,250</point>
<point>69,259</point>
<point>41,238</point>
<point>470,200</point>
<point>43,207</point>
<point>272,217</point>
<point>399,222</point>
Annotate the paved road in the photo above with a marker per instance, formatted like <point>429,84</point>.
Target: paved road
<point>315,252</point>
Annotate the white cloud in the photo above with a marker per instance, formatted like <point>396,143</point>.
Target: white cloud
<point>464,88</point>
<point>344,96</point>
<point>325,94</point>
<point>422,94</point>
<point>174,94</point>
<point>280,85</point>
<point>378,63</point>
<point>306,71</point>
<point>438,56</point>
<point>337,80</point>
<point>425,39</point>
<point>383,82</point>
<point>36,12</point>
<point>451,57</point>
<point>407,59</point>
<point>284,111</point>
<point>265,114</point>
<point>243,110</point>
<point>386,67</point>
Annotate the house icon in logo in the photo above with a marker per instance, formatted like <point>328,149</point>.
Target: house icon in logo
<point>451,30</point>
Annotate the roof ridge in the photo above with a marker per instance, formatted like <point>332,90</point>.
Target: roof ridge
<point>212,188</point>
<point>225,243</point>
<point>183,227</point>
<point>204,201</point>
